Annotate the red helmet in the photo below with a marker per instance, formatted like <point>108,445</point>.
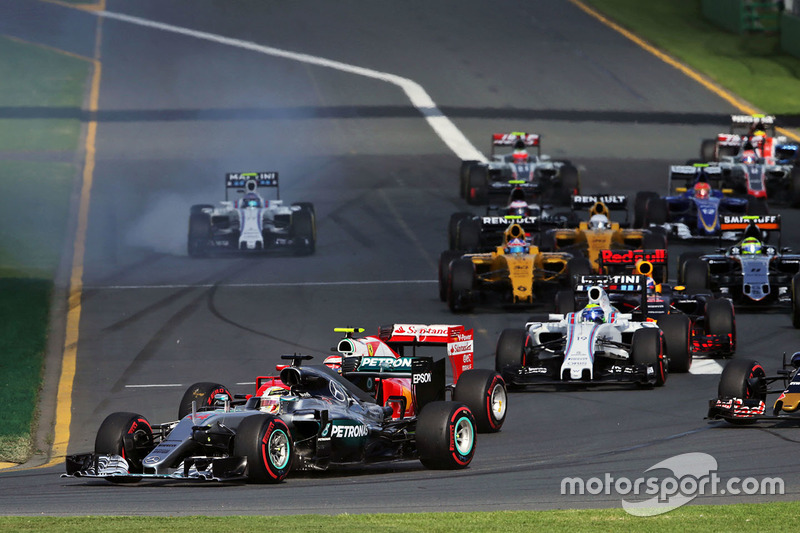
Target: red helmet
<point>702,190</point>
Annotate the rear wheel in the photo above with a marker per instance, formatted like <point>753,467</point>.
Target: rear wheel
<point>796,301</point>
<point>695,275</point>
<point>478,185</point>
<point>267,444</point>
<point>677,330</point>
<point>757,207</point>
<point>647,349</point>
<point>565,301</point>
<point>570,185</point>
<point>484,392</point>
<point>657,212</point>
<point>445,435</point>
<point>452,228</point>
<point>199,234</point>
<point>128,435</point>
<point>304,231</point>
<point>640,207</point>
<point>720,320</point>
<point>444,271</point>
<point>468,235</point>
<point>463,177</point>
<point>794,187</point>
<point>203,393</point>
<point>708,150</point>
<point>577,267</point>
<point>510,349</point>
<point>459,291</point>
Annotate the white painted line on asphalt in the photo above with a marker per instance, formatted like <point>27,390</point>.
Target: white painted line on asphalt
<point>153,385</point>
<point>705,366</point>
<point>256,285</point>
<point>441,125</point>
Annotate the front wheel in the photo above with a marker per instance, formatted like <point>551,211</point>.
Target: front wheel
<point>304,231</point>
<point>128,435</point>
<point>267,444</point>
<point>796,301</point>
<point>445,435</point>
<point>647,349</point>
<point>459,290</point>
<point>743,378</point>
<point>444,271</point>
<point>677,331</point>
<point>484,392</point>
<point>510,349</point>
<point>199,234</point>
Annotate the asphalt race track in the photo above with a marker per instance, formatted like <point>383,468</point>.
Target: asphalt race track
<point>176,112</point>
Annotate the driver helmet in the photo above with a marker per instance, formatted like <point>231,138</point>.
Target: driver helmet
<point>599,222</point>
<point>270,401</point>
<point>520,154</point>
<point>517,246</point>
<point>702,190</point>
<point>796,359</point>
<point>250,199</point>
<point>751,245</point>
<point>593,313</point>
<point>519,208</point>
<point>651,285</point>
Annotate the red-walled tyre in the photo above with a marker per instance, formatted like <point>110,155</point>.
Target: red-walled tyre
<point>484,392</point>
<point>267,443</point>
<point>203,393</point>
<point>445,435</point>
<point>128,435</point>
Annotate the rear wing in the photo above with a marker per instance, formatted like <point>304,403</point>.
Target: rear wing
<point>250,181</point>
<point>500,223</point>
<point>712,174</point>
<point>510,139</point>
<point>746,122</point>
<point>622,283</point>
<point>742,222</point>
<point>612,202</point>
<point>458,341</point>
<point>632,257</point>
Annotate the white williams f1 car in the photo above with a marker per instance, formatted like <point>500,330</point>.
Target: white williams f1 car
<point>252,223</point>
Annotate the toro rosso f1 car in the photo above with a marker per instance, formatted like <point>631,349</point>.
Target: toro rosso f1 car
<point>252,223</point>
<point>594,345</point>
<point>314,420</point>
<point>743,389</point>
<point>538,175</point>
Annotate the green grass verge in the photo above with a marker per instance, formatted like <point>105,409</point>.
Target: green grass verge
<point>751,517</point>
<point>751,66</point>
<point>37,169</point>
<point>24,304</point>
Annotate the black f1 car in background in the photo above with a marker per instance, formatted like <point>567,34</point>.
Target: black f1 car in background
<point>743,389</point>
<point>595,344</point>
<point>755,161</point>
<point>314,420</point>
<point>752,272</point>
<point>252,223</point>
<point>694,211</point>
<point>536,174</point>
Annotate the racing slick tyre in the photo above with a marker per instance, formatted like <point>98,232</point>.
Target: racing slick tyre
<point>657,212</point>
<point>677,331</point>
<point>708,150</point>
<point>683,259</point>
<point>570,185</point>
<point>796,301</point>
<point>510,349</point>
<point>640,207</point>
<point>565,301</point>
<point>128,435</point>
<point>463,177</point>
<point>484,392</point>
<point>444,271</point>
<point>745,379</point>
<point>306,205</point>
<point>576,268</point>
<point>304,231</point>
<point>266,442</point>
<point>720,320</point>
<point>199,234</point>
<point>203,393</point>
<point>452,228</point>
<point>459,288</point>
<point>468,235</point>
<point>695,275</point>
<point>794,187</point>
<point>195,209</point>
<point>445,435</point>
<point>647,348</point>
<point>478,185</point>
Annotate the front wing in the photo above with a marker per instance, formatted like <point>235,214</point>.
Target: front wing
<point>92,465</point>
<point>523,376</point>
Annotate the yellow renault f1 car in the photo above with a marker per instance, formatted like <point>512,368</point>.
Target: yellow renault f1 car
<point>516,270</point>
<point>590,238</point>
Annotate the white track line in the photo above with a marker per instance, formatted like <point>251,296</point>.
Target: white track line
<point>705,366</point>
<point>441,125</point>
<point>255,285</point>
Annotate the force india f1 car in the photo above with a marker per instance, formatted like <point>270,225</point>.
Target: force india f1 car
<point>743,389</point>
<point>516,270</point>
<point>752,272</point>
<point>313,420</point>
<point>694,211</point>
<point>755,161</point>
<point>594,345</point>
<point>600,236</point>
<point>536,174</point>
<point>252,223</point>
